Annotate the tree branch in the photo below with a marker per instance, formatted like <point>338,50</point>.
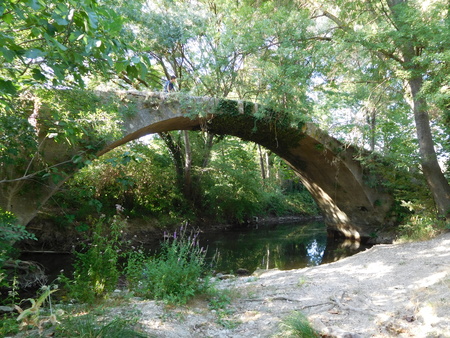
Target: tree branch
<point>347,29</point>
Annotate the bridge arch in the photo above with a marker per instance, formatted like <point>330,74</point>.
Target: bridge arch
<point>325,166</point>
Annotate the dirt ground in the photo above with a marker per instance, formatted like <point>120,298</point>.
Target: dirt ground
<point>399,290</point>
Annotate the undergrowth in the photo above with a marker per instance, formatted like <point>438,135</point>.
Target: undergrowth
<point>96,269</point>
<point>175,275</point>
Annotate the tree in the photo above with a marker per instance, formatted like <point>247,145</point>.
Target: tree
<point>60,43</point>
<point>52,44</point>
<point>409,38</point>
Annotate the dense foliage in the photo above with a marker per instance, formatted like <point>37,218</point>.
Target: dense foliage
<point>96,269</point>
<point>59,42</point>
<point>229,189</point>
<point>11,234</point>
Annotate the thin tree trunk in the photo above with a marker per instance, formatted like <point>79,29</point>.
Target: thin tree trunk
<point>187,166</point>
<point>261,162</point>
<point>177,157</point>
<point>208,147</point>
<point>372,129</point>
<point>268,164</point>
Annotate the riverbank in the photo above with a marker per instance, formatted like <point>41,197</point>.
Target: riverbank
<point>400,290</point>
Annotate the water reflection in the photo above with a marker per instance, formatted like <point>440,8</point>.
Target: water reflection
<point>315,252</point>
<point>285,246</point>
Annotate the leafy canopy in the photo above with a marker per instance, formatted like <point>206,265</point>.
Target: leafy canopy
<point>59,42</point>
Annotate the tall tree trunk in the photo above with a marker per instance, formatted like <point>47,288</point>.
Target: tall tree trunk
<point>268,163</point>
<point>434,176</point>
<point>436,180</point>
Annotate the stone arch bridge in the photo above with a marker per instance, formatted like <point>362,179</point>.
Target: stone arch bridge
<point>325,166</point>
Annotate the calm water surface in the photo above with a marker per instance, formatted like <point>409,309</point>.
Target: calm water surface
<point>284,246</point>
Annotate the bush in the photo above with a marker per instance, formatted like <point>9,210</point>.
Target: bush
<point>96,270</point>
<point>10,234</point>
<point>422,225</point>
<point>8,326</point>
<point>175,275</point>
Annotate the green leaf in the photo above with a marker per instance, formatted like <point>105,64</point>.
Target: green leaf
<point>8,18</point>
<point>135,59</point>
<point>121,65</point>
<point>33,4</point>
<point>51,29</point>
<point>132,71</point>
<point>109,60</point>
<point>60,20</point>
<point>7,54</point>
<point>59,45</point>
<point>7,86</point>
<point>35,32</point>
<point>38,76</point>
<point>93,19</point>
<point>35,53</point>
<point>143,70</point>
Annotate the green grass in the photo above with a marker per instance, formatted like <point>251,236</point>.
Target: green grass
<point>297,325</point>
<point>90,325</point>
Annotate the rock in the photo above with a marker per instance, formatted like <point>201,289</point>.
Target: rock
<point>222,276</point>
<point>242,272</point>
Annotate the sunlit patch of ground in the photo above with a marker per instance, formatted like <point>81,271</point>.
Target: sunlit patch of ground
<point>400,290</point>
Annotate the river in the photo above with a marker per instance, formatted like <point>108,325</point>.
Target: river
<point>282,246</point>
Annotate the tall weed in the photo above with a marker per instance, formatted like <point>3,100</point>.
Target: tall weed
<point>175,275</point>
<point>96,269</point>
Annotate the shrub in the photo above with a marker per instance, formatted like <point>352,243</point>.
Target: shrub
<point>175,275</point>
<point>422,225</point>
<point>96,270</point>
<point>8,326</point>
<point>10,234</point>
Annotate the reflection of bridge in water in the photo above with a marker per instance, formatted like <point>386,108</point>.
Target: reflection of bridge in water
<point>280,246</point>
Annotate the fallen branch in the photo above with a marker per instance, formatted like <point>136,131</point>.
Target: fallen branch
<point>271,299</point>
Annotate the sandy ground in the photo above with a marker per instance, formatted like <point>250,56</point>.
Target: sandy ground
<point>400,290</point>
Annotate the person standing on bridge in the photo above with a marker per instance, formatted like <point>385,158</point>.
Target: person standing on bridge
<point>170,84</point>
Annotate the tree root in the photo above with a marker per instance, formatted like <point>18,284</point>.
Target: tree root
<point>338,303</point>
